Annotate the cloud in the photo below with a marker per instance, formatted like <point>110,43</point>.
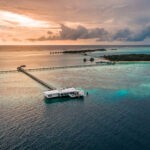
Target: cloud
<point>3,27</point>
<point>15,39</point>
<point>21,20</point>
<point>132,36</point>
<point>122,35</point>
<point>145,33</point>
<point>100,34</point>
<point>81,32</point>
<point>109,20</point>
<point>84,11</point>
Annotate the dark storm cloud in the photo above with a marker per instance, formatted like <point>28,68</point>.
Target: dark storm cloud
<point>145,33</point>
<point>100,34</point>
<point>128,35</point>
<point>81,32</point>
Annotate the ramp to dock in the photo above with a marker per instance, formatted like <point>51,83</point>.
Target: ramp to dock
<point>20,69</point>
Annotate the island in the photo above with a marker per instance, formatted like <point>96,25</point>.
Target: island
<point>83,51</point>
<point>128,57</point>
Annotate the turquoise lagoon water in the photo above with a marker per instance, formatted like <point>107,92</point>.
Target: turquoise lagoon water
<point>114,116</point>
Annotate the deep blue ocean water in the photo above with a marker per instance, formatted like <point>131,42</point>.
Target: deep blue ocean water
<point>114,116</point>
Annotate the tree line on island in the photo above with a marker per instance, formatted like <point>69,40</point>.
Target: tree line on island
<point>76,51</point>
<point>128,57</point>
<point>83,51</point>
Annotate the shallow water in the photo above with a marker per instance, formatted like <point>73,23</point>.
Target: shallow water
<point>114,116</point>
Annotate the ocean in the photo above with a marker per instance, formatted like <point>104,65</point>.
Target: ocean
<point>114,116</point>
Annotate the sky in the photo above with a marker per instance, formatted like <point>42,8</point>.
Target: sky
<point>68,22</point>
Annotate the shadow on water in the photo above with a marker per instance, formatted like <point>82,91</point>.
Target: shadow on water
<point>62,100</point>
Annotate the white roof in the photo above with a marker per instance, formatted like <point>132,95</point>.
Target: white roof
<point>68,90</point>
<point>51,92</point>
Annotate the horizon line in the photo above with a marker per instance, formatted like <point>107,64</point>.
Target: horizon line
<point>75,45</point>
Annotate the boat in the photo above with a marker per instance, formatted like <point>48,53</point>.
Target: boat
<point>66,92</point>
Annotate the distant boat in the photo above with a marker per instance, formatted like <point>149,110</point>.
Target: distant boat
<point>67,92</point>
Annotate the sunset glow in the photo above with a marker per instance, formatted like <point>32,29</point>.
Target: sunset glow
<point>21,20</point>
<point>80,22</point>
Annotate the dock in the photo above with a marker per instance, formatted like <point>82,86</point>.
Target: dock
<point>21,69</point>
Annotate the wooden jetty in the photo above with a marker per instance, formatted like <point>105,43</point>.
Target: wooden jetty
<point>21,69</point>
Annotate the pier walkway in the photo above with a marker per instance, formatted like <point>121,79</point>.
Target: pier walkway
<point>20,69</point>
<point>62,67</point>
